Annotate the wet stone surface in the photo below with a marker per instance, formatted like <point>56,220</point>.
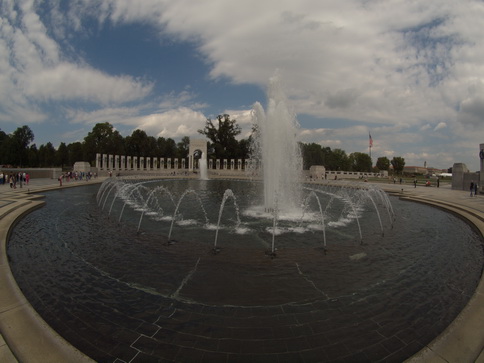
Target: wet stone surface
<point>123,297</point>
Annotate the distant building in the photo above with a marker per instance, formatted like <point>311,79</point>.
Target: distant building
<point>422,170</point>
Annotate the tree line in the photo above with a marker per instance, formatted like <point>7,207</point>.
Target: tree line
<point>17,149</point>
<point>337,159</point>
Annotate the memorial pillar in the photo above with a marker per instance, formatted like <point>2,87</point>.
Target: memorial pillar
<point>110,162</point>
<point>98,161</point>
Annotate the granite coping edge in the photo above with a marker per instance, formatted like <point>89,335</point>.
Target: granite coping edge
<point>463,339</point>
<point>28,336</point>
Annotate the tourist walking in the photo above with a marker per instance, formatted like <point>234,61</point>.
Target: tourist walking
<point>13,181</point>
<point>472,187</point>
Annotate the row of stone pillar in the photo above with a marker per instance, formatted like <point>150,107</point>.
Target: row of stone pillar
<point>122,162</point>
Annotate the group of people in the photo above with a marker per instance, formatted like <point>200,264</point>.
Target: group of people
<point>76,175</point>
<point>474,188</point>
<point>13,179</point>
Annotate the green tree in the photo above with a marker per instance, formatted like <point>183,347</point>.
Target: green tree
<point>338,160</point>
<point>151,147</point>
<point>33,156</point>
<point>312,155</point>
<point>21,138</point>
<point>222,136</point>
<point>360,162</point>
<point>103,139</point>
<point>137,143</point>
<point>244,148</point>
<point>3,146</point>
<point>170,148</point>
<point>183,147</point>
<point>7,152</point>
<point>398,164</point>
<point>161,146</point>
<point>75,152</point>
<point>46,155</point>
<point>62,155</point>
<point>383,163</point>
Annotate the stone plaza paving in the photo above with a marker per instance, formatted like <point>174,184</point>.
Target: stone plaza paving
<point>191,332</point>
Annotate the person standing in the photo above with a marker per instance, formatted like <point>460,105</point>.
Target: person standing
<point>472,187</point>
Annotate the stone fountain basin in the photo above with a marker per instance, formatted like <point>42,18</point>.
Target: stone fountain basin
<point>114,293</point>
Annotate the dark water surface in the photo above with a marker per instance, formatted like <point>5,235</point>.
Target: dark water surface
<point>121,296</point>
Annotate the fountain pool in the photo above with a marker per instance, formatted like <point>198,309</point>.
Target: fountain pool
<point>122,295</point>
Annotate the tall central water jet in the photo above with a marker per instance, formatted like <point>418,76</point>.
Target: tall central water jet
<point>278,151</point>
<point>203,167</point>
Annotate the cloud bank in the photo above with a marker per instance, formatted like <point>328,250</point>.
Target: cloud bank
<point>411,72</point>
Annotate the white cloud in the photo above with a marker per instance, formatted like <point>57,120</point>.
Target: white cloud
<point>406,68</point>
<point>174,123</point>
<point>112,115</point>
<point>68,81</point>
<point>33,71</point>
<point>372,62</point>
<point>174,100</point>
<point>440,126</point>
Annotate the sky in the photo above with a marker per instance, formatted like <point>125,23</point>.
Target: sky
<point>410,73</point>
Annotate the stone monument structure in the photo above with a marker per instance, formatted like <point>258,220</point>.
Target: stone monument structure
<point>82,166</point>
<point>462,176</point>
<point>196,145</point>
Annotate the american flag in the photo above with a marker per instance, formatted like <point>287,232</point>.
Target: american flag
<point>371,140</point>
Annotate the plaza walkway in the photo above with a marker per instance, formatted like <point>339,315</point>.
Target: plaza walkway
<point>24,337</point>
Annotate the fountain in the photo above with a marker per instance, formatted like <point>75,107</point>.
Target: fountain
<point>203,167</point>
<point>281,214</point>
<point>277,148</point>
<point>105,270</point>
